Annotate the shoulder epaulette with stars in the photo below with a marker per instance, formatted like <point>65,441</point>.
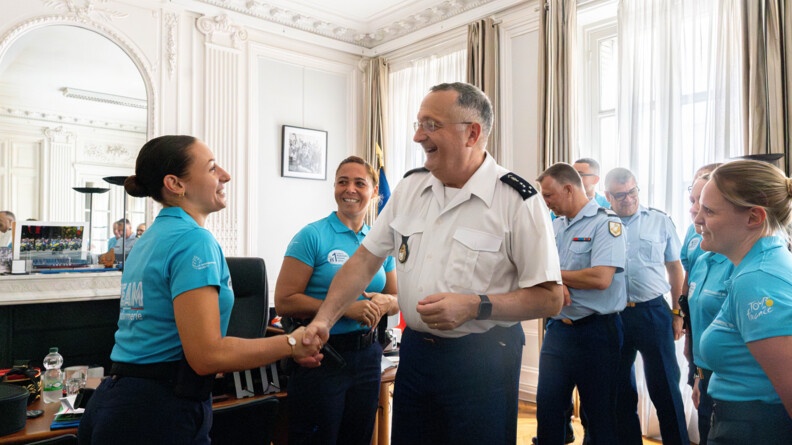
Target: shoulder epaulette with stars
<point>523,187</point>
<point>657,210</point>
<point>416,170</point>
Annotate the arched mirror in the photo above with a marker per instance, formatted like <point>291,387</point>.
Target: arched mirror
<point>73,110</point>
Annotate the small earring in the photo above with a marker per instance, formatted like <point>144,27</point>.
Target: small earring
<point>181,195</point>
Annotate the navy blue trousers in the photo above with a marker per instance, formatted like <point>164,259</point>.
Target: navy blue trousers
<point>741,423</point>
<point>648,330</point>
<point>134,411</point>
<point>458,391</point>
<point>704,409</point>
<point>332,405</point>
<point>586,355</point>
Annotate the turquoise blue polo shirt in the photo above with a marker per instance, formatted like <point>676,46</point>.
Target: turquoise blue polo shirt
<point>691,249</point>
<point>758,306</point>
<point>707,291</point>
<point>325,246</point>
<point>176,255</point>
<point>594,237</point>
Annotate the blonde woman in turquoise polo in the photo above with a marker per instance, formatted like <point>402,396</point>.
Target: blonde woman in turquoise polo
<point>749,344</point>
<point>333,404</point>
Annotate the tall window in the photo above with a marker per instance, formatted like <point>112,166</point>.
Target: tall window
<point>652,94</point>
<point>409,83</point>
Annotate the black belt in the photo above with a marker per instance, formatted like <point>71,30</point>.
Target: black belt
<point>353,341</point>
<point>156,371</point>
<point>584,320</point>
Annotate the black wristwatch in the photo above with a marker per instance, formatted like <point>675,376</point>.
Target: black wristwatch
<point>485,308</point>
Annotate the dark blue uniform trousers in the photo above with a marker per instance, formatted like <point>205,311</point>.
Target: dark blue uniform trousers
<point>458,391</point>
<point>648,330</point>
<point>331,405</point>
<point>587,355</point>
<point>134,411</point>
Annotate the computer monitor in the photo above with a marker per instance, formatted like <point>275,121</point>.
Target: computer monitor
<point>51,245</point>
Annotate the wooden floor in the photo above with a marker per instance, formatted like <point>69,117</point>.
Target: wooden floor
<point>526,426</point>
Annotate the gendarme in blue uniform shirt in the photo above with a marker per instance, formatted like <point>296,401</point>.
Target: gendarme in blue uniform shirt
<point>175,256</point>
<point>758,306</point>
<point>325,245</point>
<point>651,242</point>
<point>585,242</point>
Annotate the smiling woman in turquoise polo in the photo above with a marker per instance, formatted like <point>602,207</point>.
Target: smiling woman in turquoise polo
<point>745,208</point>
<point>331,404</point>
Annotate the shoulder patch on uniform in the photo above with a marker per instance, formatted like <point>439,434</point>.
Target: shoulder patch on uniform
<point>656,210</point>
<point>523,187</point>
<point>615,228</point>
<point>416,170</point>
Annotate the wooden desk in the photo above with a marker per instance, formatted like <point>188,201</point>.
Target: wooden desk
<point>382,421</point>
<point>39,428</point>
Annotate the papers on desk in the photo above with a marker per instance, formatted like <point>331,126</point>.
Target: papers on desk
<point>389,362</point>
<point>68,416</point>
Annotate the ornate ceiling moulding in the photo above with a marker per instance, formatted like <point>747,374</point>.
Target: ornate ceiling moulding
<point>109,154</point>
<point>171,23</point>
<point>362,37</point>
<point>87,9</point>
<point>58,135</point>
<point>57,118</point>
<point>221,24</point>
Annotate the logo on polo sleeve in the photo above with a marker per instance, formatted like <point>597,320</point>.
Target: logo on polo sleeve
<point>759,308</point>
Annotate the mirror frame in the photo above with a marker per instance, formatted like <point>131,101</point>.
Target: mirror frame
<point>131,50</point>
<point>16,31</point>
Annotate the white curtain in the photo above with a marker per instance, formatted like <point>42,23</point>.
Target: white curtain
<point>679,108</point>
<point>407,88</point>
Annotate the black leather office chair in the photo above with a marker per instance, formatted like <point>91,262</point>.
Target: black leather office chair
<point>251,297</point>
<point>249,423</point>
<point>249,319</point>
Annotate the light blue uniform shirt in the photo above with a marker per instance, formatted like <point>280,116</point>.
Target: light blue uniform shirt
<point>592,238</point>
<point>758,306</point>
<point>651,242</point>
<point>176,255</point>
<point>707,291</point>
<point>691,249</point>
<point>325,245</point>
<point>601,200</point>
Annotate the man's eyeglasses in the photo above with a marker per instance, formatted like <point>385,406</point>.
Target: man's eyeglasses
<point>430,126</point>
<point>621,195</point>
<point>583,175</point>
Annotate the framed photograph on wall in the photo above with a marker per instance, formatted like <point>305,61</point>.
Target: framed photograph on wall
<point>304,153</point>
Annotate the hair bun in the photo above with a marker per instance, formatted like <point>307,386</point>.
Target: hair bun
<point>134,188</point>
<point>789,186</point>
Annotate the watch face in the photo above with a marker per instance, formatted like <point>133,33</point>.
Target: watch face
<point>291,340</point>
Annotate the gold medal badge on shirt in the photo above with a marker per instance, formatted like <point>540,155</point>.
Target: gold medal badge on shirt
<point>404,251</point>
<point>615,228</point>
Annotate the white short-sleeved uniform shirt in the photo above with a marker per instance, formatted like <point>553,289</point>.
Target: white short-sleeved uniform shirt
<point>485,238</point>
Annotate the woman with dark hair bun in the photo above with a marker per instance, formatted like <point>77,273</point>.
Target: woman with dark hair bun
<point>746,208</point>
<point>176,301</point>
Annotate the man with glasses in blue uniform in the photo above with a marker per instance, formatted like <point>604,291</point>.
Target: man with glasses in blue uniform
<point>582,344</point>
<point>650,325</point>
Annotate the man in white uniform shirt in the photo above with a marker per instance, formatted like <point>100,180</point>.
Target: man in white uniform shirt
<point>7,220</point>
<point>475,255</point>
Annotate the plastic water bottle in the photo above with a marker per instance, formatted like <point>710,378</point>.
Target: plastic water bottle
<point>52,379</point>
